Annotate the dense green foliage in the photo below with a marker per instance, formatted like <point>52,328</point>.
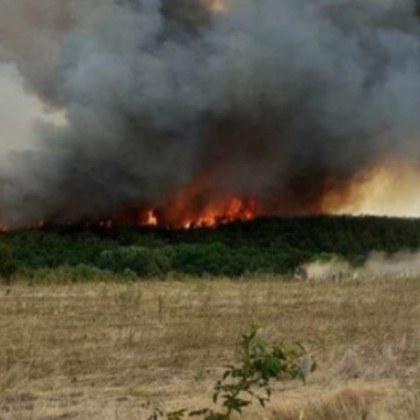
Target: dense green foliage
<point>145,262</point>
<point>8,265</point>
<point>270,245</point>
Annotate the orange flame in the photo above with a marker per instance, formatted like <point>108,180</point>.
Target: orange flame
<point>214,214</point>
<point>235,209</point>
<point>387,188</point>
<point>151,218</point>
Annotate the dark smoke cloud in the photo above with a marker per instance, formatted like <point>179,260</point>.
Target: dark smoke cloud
<point>280,100</point>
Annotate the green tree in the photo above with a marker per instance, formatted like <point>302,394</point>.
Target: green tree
<point>8,266</point>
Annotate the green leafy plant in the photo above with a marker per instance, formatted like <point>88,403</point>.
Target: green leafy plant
<point>249,381</point>
<point>8,264</point>
<point>145,262</point>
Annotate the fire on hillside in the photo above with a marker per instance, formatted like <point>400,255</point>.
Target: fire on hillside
<point>384,189</point>
<point>183,114</point>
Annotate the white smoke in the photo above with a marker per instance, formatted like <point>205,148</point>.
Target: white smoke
<point>18,113</point>
<point>400,265</point>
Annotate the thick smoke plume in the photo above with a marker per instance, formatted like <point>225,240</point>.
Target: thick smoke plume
<point>281,101</point>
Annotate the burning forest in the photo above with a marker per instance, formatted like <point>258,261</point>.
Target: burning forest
<point>194,113</point>
<point>175,172</point>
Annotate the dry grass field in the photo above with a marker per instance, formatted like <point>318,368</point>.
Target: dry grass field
<point>100,350</point>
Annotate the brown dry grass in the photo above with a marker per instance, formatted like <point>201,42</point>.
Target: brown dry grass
<point>99,351</point>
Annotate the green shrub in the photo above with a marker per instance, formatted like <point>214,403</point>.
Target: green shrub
<point>206,259</point>
<point>249,381</point>
<point>145,262</point>
<point>218,259</point>
<point>68,274</point>
<point>85,273</point>
<point>8,264</point>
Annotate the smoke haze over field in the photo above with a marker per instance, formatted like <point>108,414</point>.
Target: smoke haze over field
<point>287,102</point>
<point>378,265</point>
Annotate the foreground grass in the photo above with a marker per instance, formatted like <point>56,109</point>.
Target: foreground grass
<point>101,350</point>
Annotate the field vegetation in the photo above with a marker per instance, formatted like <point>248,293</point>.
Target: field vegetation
<point>101,350</point>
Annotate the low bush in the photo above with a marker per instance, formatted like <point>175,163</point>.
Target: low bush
<point>218,259</point>
<point>249,381</point>
<point>68,274</point>
<point>145,262</point>
<point>8,265</point>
